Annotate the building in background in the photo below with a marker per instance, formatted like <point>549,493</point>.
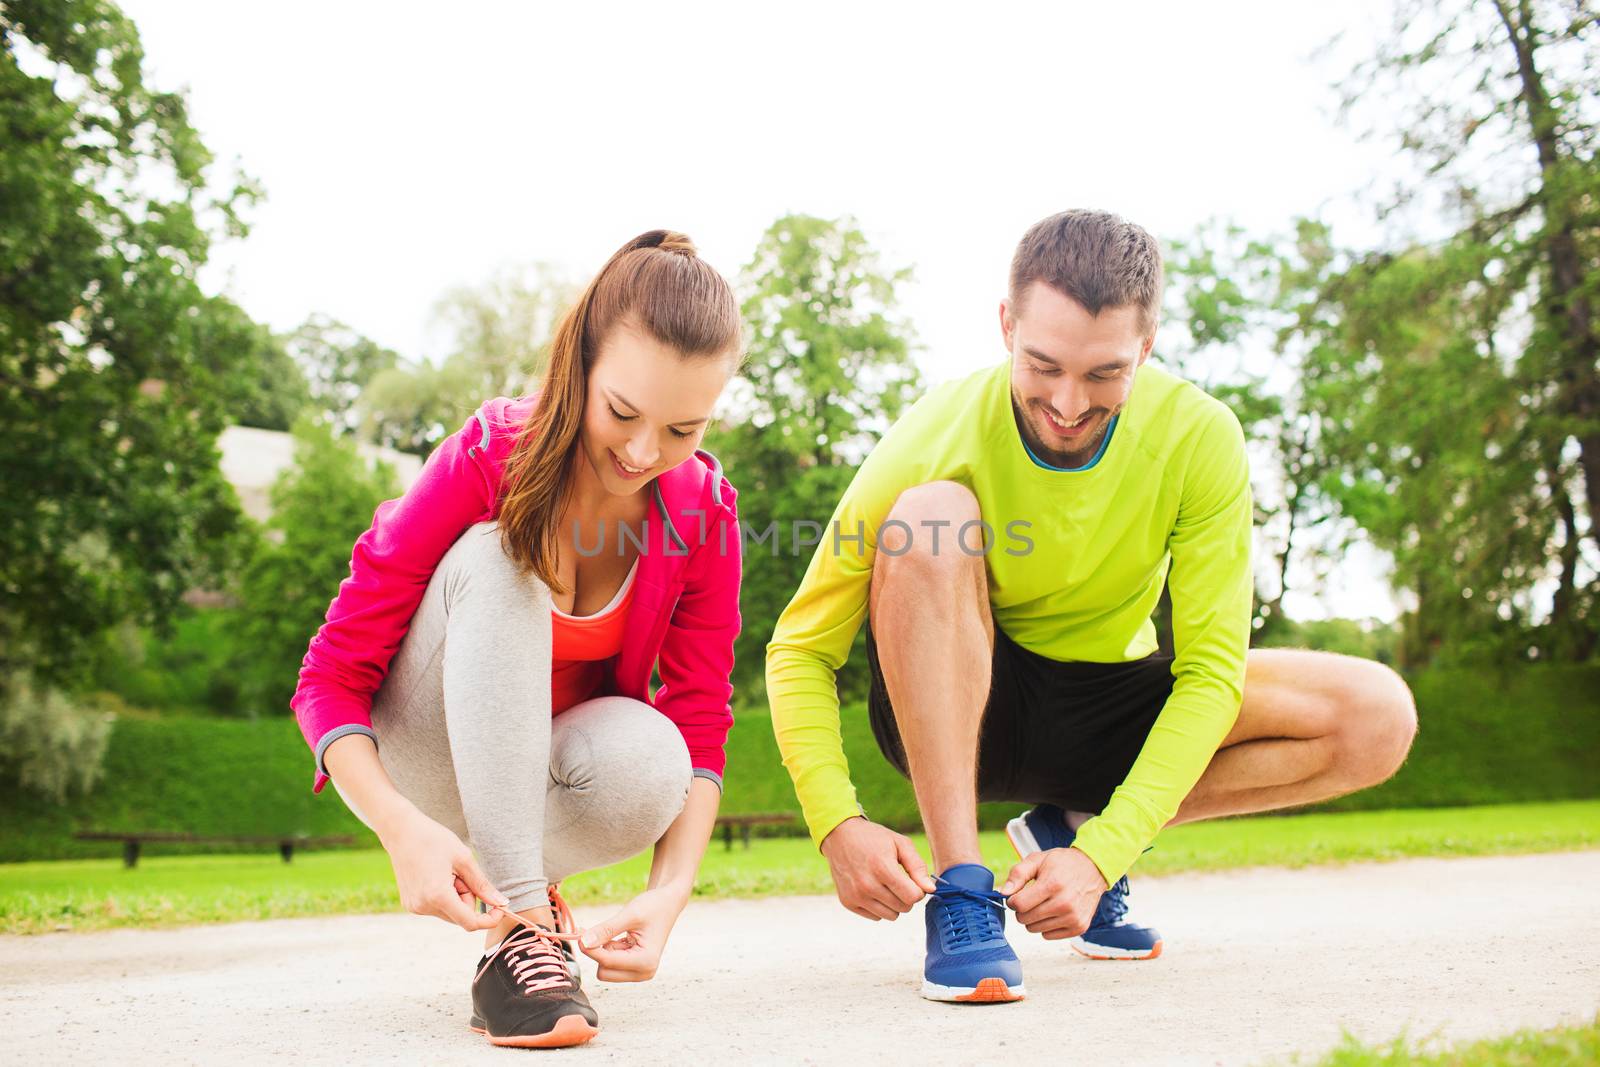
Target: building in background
<point>252,460</point>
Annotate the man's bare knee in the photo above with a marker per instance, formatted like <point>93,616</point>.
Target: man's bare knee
<point>932,538</point>
<point>933,522</point>
<point>1378,720</point>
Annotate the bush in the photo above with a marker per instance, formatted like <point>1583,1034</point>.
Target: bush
<point>206,776</point>
<point>49,743</point>
<point>188,672</point>
<point>1486,738</point>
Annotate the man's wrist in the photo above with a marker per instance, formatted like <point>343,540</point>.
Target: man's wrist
<point>1104,884</point>
<point>822,846</point>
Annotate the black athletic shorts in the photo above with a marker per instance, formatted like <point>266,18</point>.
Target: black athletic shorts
<point>1053,732</point>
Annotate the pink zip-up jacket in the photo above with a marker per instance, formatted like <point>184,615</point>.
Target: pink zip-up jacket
<point>682,623</point>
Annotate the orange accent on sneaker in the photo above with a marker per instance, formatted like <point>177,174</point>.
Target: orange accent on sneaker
<point>991,991</point>
<point>569,1030</point>
<point>1152,954</point>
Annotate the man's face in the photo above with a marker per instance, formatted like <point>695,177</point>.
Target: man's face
<point>1071,372</point>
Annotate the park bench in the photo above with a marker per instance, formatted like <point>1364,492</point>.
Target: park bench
<point>132,842</point>
<point>744,822</point>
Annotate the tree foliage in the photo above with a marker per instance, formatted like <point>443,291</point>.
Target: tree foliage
<point>270,388</point>
<point>49,742</point>
<point>828,371</point>
<point>500,335</point>
<point>116,371</point>
<point>319,507</point>
<point>1231,296</point>
<point>1441,392</point>
<point>337,364</point>
<point>1459,377</point>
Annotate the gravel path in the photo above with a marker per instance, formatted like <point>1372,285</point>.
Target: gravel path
<point>1260,965</point>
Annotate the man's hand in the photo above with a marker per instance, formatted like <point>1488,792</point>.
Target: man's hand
<point>1055,892</point>
<point>876,871</point>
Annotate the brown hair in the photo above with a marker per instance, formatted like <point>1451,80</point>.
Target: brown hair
<point>1098,259</point>
<point>655,283</point>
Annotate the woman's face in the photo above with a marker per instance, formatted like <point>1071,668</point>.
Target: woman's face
<point>647,407</point>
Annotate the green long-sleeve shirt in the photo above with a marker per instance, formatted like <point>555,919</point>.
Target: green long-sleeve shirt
<point>1075,569</point>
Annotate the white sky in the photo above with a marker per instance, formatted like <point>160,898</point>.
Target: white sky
<point>407,149</point>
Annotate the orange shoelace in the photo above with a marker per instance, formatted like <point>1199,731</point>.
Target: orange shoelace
<point>537,962</point>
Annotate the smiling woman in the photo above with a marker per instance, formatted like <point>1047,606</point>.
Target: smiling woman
<point>483,677</point>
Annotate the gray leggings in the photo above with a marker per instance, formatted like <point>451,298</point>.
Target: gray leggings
<point>465,733</point>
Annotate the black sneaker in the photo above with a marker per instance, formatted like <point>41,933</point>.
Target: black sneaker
<point>526,994</point>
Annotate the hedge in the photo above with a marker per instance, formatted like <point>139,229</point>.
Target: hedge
<point>1486,737</point>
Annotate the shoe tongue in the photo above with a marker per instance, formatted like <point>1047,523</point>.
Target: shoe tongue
<point>973,876</point>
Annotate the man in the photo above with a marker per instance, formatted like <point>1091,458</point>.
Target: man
<point>1006,543</point>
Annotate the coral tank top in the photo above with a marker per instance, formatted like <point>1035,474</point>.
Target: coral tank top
<point>582,644</point>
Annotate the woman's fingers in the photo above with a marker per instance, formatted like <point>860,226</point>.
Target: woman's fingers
<point>601,933</point>
<point>466,871</point>
<point>452,908</point>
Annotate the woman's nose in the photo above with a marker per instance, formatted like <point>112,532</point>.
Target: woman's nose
<point>641,453</point>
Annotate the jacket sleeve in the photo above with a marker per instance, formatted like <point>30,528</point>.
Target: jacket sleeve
<point>696,657</point>
<point>389,572</point>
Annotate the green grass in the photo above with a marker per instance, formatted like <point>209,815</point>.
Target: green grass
<point>166,890</point>
<point>1526,1048</point>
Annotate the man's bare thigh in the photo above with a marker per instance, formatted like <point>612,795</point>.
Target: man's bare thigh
<point>1295,693</point>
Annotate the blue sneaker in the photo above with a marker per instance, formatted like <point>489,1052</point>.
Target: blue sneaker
<point>968,957</point>
<point>1111,936</point>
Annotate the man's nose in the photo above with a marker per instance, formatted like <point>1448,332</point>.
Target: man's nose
<point>1071,402</point>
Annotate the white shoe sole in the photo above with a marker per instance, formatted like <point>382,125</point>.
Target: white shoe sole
<point>1109,952</point>
<point>1022,838</point>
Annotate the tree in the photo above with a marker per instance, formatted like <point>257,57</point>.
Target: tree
<point>500,338</point>
<point>1235,308</point>
<point>271,391</point>
<point>828,371</point>
<point>336,364</point>
<point>116,372</point>
<point>1461,375</point>
<point>319,507</point>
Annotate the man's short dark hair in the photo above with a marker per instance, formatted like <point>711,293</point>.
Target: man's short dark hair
<point>1098,259</point>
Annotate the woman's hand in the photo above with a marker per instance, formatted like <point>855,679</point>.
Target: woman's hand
<point>628,945</point>
<point>435,872</point>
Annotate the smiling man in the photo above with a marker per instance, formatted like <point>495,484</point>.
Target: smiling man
<point>1006,544</point>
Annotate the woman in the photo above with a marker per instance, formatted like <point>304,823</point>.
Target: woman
<point>551,554</point>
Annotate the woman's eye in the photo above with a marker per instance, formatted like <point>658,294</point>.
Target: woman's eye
<point>619,416</point>
<point>680,434</point>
